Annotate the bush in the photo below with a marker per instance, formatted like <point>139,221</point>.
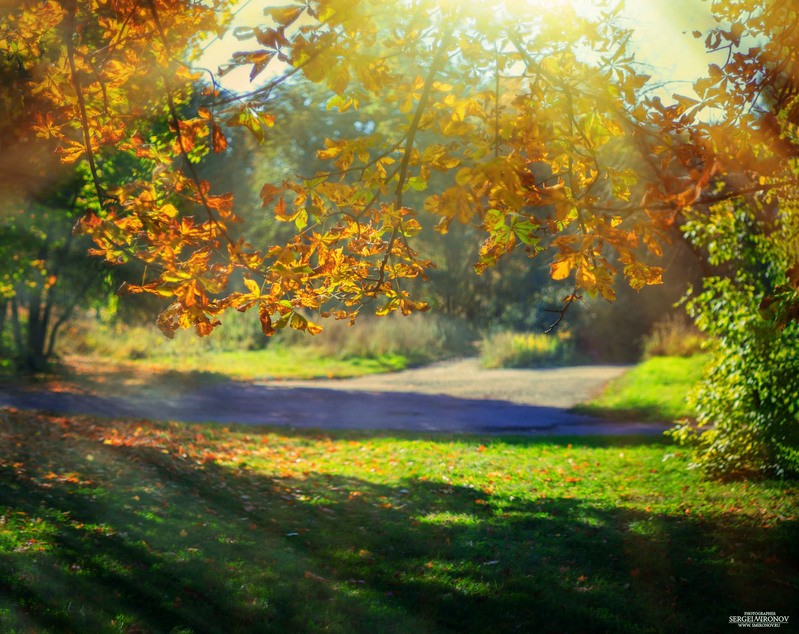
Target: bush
<point>526,350</point>
<point>749,398</point>
<point>748,403</point>
<point>673,336</point>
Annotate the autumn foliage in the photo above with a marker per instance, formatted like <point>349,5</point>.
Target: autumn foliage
<point>540,124</point>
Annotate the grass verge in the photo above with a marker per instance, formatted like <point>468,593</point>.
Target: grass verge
<point>239,349</point>
<point>654,390</point>
<point>275,363</point>
<point>130,526</point>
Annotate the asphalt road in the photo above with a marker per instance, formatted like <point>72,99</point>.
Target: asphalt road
<point>452,397</point>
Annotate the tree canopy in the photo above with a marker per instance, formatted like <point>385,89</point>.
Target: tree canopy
<point>511,118</point>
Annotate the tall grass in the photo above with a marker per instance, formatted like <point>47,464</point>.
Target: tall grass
<point>673,336</point>
<point>526,350</point>
<point>417,338</point>
<point>91,336</point>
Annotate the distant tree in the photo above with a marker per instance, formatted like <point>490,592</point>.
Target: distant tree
<point>46,275</point>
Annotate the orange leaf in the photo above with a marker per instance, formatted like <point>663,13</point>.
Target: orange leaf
<point>219,139</point>
<point>280,209</point>
<point>266,321</point>
<point>268,193</point>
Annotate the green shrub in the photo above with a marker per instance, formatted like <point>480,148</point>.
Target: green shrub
<point>526,350</point>
<point>748,402</point>
<point>673,336</point>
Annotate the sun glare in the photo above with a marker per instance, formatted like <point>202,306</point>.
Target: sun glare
<point>661,38</point>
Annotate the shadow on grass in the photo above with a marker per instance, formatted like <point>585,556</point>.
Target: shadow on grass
<point>315,434</point>
<point>152,542</point>
<point>99,378</point>
<point>642,413</point>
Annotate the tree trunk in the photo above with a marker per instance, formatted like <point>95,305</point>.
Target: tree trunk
<point>34,358</point>
<point>16,328</point>
<point>4,307</point>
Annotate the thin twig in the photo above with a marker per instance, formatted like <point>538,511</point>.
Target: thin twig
<point>84,118</point>
<point>574,297</point>
<point>414,127</point>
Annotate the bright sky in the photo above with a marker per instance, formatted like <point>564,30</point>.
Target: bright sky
<point>662,41</point>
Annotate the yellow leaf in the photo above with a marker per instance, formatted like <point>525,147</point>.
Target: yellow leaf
<point>560,270</point>
<point>284,15</point>
<point>314,328</point>
<point>169,210</point>
<point>252,286</point>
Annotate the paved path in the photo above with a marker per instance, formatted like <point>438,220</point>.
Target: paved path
<point>454,396</point>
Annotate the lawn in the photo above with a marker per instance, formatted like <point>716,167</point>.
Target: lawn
<point>654,390</point>
<point>131,526</point>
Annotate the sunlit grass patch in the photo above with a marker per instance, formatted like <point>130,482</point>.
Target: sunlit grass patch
<point>654,390</point>
<point>280,363</point>
<point>135,526</point>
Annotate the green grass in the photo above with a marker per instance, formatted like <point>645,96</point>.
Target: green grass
<point>130,526</point>
<point>275,363</point>
<point>654,390</point>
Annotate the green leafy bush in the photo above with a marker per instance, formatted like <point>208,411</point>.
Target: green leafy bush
<point>748,402</point>
<point>526,350</point>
